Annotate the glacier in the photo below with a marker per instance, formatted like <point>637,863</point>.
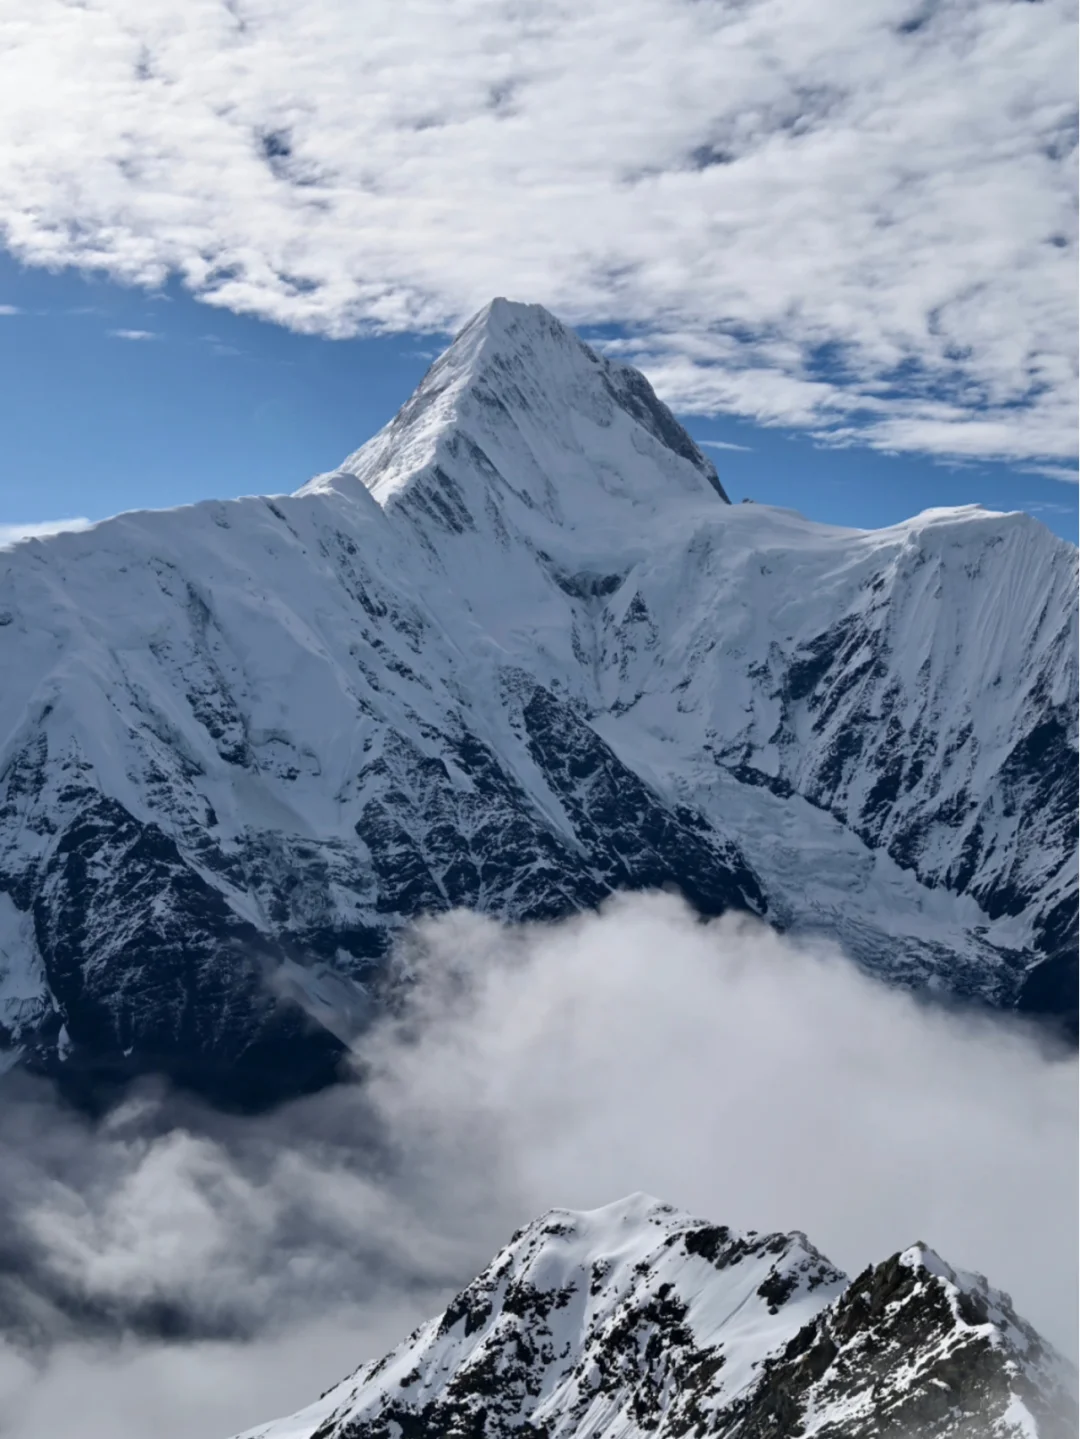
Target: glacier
<point>517,652</point>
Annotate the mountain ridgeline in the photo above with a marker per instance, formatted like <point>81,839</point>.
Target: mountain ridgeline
<point>516,653</point>
<point>638,1322</point>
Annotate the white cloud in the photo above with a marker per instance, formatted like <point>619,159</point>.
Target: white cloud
<point>722,445</point>
<point>10,310</point>
<point>1053,472</point>
<point>133,334</point>
<point>12,534</point>
<point>754,187</point>
<point>714,1065</point>
<point>757,1082</point>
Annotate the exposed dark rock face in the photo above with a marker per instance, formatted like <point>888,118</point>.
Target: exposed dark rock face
<point>637,1321</point>
<point>517,654</point>
<point>150,969</point>
<point>919,1354</point>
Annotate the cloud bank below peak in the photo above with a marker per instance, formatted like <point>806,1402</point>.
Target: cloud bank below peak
<point>861,222</point>
<point>183,1273</point>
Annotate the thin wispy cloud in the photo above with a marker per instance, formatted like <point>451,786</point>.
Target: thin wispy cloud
<point>857,218</point>
<point>10,310</point>
<point>134,335</point>
<point>13,534</point>
<point>722,445</point>
<point>220,347</point>
<point>1053,472</point>
<point>1048,507</point>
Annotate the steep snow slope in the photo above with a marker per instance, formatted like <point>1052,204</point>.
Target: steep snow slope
<point>636,1320</point>
<point>517,652</point>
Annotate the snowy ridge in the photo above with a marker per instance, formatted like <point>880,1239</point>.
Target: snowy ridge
<point>559,414</point>
<point>637,1320</point>
<point>517,653</point>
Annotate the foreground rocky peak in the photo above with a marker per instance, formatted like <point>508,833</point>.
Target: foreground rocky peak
<point>637,1320</point>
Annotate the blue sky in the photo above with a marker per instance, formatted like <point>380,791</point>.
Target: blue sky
<point>862,224</point>
<point>215,405</point>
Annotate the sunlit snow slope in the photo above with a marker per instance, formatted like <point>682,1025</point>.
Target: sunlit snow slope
<point>516,653</point>
<point>638,1322</point>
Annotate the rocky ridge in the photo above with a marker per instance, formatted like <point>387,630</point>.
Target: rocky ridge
<point>518,652</point>
<point>637,1321</point>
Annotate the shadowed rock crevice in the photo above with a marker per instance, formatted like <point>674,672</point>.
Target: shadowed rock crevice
<point>639,1322</point>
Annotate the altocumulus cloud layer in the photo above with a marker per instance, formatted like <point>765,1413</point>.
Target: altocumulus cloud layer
<point>248,1265</point>
<point>856,218</point>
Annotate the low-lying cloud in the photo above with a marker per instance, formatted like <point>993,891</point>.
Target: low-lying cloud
<point>187,1274</point>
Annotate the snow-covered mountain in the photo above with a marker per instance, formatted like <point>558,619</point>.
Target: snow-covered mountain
<point>516,653</point>
<point>638,1322</point>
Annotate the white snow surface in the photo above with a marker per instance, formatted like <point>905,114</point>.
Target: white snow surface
<point>229,669</point>
<point>637,1319</point>
<point>604,1266</point>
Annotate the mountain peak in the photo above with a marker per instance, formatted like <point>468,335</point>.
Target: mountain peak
<point>519,403</point>
<point>502,329</point>
<point>503,320</point>
<point>637,1321</point>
